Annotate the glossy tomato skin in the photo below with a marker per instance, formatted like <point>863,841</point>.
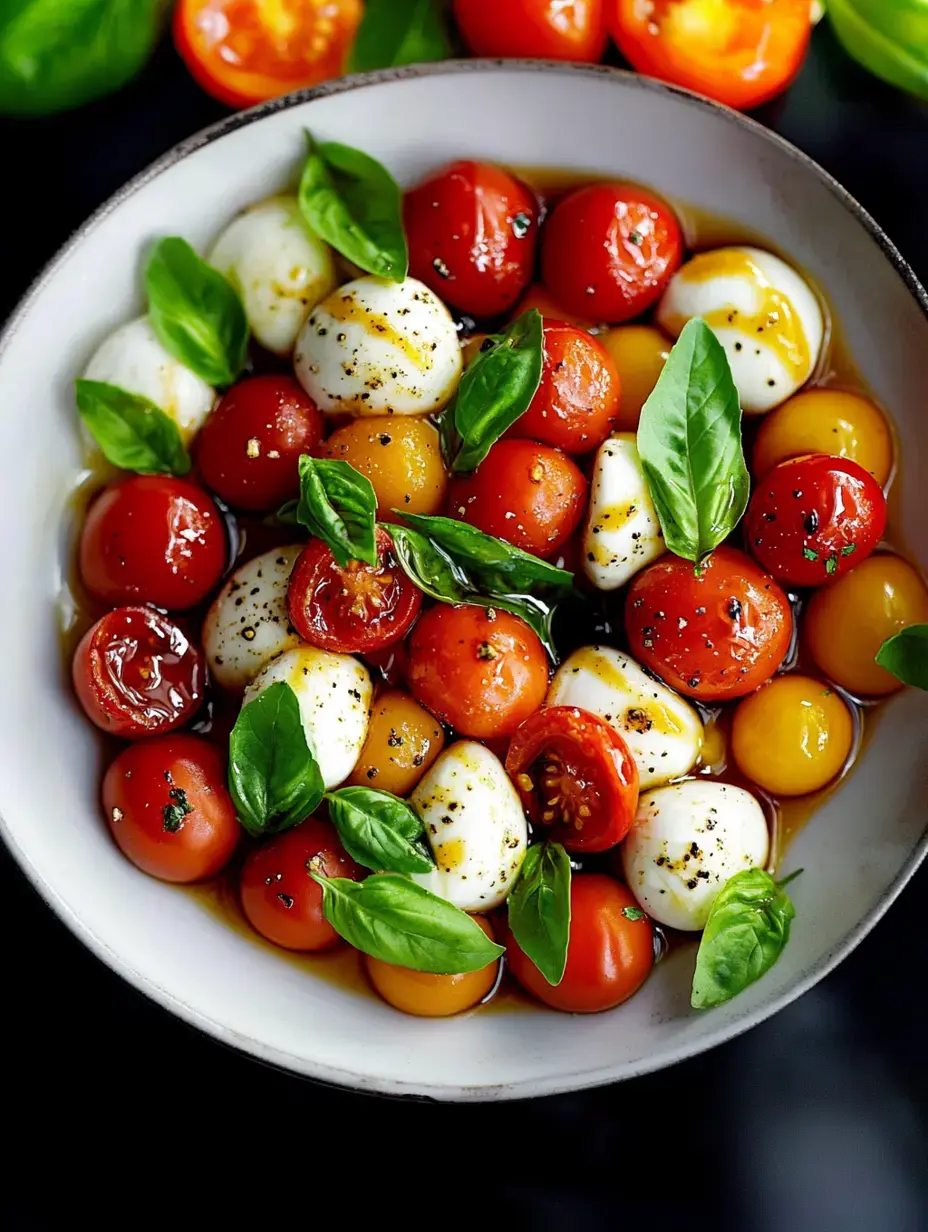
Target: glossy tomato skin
<point>360,608</point>
<point>813,519</point>
<point>609,956</point>
<point>531,495</point>
<point>248,450</point>
<point>609,251</point>
<point>480,670</point>
<point>576,778</point>
<point>280,898</point>
<point>712,635</point>
<point>137,674</point>
<point>534,29</point>
<point>472,230</point>
<point>168,808</point>
<point>152,539</point>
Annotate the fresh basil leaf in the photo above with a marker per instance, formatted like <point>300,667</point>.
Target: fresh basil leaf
<point>337,504</point>
<point>539,909</point>
<point>132,432</point>
<point>196,312</point>
<point>273,776</point>
<point>286,515</point>
<point>906,656</point>
<point>399,922</point>
<point>498,387</point>
<point>888,37</point>
<point>395,32</point>
<point>689,440</point>
<point>355,204</point>
<point>747,930</point>
<point>379,830</point>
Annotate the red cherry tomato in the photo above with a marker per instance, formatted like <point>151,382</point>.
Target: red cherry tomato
<point>390,664</point>
<point>609,956</point>
<point>531,495</point>
<point>482,671</point>
<point>576,777</point>
<point>533,29</point>
<point>153,539</point>
<point>609,251</point>
<point>249,448</point>
<point>360,608</point>
<point>168,808</point>
<point>538,296</point>
<point>136,674</point>
<point>280,899</point>
<point>472,230</point>
<point>814,518</point>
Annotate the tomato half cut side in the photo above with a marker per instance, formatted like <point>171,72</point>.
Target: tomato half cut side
<point>576,778</point>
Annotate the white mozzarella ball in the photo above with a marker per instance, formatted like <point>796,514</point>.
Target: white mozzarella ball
<point>375,347</point>
<point>622,532</point>
<point>133,358</point>
<point>334,692</point>
<point>763,312</point>
<point>686,842</point>
<point>475,826</point>
<point>247,623</point>
<point>664,733</point>
<point>279,266</point>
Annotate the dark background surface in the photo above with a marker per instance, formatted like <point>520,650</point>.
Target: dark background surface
<point>118,1114</point>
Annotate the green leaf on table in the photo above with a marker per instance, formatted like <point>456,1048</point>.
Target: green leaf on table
<point>132,432</point>
<point>396,32</point>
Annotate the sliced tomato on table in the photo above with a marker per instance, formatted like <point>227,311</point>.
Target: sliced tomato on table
<point>534,29</point>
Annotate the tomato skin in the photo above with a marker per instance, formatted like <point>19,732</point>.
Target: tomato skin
<point>280,899</point>
<point>711,636</point>
<point>609,251</point>
<point>152,539</point>
<point>814,519</point>
<point>136,674</point>
<point>432,996</point>
<point>569,754</point>
<point>538,296</point>
<point>609,956</point>
<point>533,29</point>
<point>483,673</point>
<point>531,495</point>
<point>144,793</point>
<point>249,448</point>
<point>472,230</point>
<point>360,608</point>
<point>827,420</point>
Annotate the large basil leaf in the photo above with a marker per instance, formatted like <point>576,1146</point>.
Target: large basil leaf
<point>379,830</point>
<point>888,37</point>
<point>689,440</point>
<point>132,432</point>
<point>337,504</point>
<point>539,909</point>
<point>394,32</point>
<point>906,656</point>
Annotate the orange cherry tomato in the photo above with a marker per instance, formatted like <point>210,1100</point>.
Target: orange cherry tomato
<point>432,996</point>
<point>534,29</point>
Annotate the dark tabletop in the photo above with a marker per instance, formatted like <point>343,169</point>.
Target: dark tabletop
<point>117,1113</point>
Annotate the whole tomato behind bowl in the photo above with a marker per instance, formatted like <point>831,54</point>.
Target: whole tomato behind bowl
<point>533,29</point>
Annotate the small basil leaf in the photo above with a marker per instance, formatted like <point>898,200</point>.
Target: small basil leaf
<point>539,909</point>
<point>379,830</point>
<point>399,922</point>
<point>196,312</point>
<point>273,776</point>
<point>395,32</point>
<point>337,504</point>
<point>286,515</point>
<point>354,203</point>
<point>906,656</point>
<point>689,440</point>
<point>747,930</point>
<point>132,432</point>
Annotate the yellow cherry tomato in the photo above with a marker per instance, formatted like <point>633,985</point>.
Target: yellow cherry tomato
<point>793,736</point>
<point>432,996</point>
<point>403,740</point>
<point>830,421</point>
<point>639,352</point>
<point>471,348</point>
<point>848,622</point>
<point>401,456</point>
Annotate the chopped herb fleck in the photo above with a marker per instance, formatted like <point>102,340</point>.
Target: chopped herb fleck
<point>810,553</point>
<point>174,814</point>
<point>633,913</point>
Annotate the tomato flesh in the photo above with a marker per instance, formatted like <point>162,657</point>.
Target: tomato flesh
<point>533,29</point>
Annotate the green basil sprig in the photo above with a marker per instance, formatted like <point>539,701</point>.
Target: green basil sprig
<point>132,432</point>
<point>274,778</point>
<point>689,440</point>
<point>539,909</point>
<point>747,931</point>
<point>337,504</point>
<point>355,204</point>
<point>379,830</point>
<point>399,922</point>
<point>395,32</point>
<point>906,655</point>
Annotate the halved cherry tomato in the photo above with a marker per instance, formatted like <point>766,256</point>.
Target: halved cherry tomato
<point>576,777</point>
<point>609,251</point>
<point>739,52</point>
<point>137,674</point>
<point>360,608</point>
<point>533,29</point>
<point>472,230</point>
<point>245,51</point>
<point>815,518</point>
<point>713,634</point>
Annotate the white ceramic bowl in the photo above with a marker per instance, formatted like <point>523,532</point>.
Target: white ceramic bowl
<point>858,851</point>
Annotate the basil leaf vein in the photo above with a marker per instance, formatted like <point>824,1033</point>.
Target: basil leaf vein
<point>379,830</point>
<point>132,432</point>
<point>337,504</point>
<point>539,909</point>
<point>395,32</point>
<point>905,654</point>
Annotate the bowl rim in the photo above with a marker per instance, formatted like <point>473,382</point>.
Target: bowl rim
<point>337,1075</point>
